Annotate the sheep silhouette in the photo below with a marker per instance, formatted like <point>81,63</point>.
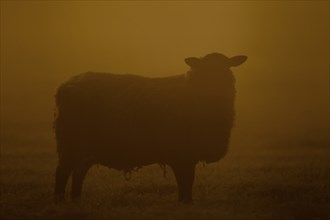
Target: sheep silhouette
<point>129,121</point>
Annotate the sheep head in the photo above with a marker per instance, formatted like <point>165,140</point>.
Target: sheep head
<point>213,65</point>
<point>214,62</point>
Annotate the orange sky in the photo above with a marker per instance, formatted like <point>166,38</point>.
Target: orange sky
<point>282,89</point>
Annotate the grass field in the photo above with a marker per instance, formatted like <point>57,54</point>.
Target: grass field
<point>264,182</point>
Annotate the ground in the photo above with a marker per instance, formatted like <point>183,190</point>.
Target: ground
<point>260,182</point>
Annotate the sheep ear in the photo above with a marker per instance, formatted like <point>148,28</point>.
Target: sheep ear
<point>237,60</point>
<point>192,61</point>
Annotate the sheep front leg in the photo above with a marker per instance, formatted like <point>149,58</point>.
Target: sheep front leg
<point>184,175</point>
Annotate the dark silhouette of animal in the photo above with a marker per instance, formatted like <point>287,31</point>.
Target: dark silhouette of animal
<point>129,121</point>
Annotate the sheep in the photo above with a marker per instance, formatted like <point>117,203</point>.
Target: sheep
<point>128,121</point>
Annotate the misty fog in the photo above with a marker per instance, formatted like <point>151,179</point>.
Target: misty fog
<point>282,90</point>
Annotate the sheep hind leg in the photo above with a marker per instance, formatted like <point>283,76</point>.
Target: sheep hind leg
<point>184,175</point>
<point>61,179</point>
<point>78,177</point>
